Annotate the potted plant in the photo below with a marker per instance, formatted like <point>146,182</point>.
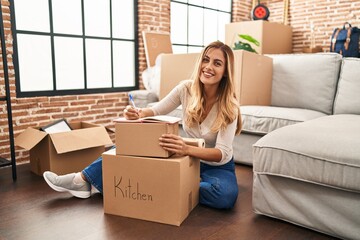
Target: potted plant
<point>244,43</point>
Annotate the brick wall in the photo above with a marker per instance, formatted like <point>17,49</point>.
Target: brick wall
<point>154,15</point>
<point>325,16</point>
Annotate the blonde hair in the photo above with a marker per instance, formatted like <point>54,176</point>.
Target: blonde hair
<point>228,106</point>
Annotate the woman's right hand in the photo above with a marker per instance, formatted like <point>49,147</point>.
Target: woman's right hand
<point>132,113</point>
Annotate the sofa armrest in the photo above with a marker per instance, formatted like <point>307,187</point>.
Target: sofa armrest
<point>143,97</point>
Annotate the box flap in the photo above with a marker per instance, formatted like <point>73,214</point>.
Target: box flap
<point>29,138</point>
<point>80,139</point>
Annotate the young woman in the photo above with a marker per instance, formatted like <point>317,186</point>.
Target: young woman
<point>210,111</point>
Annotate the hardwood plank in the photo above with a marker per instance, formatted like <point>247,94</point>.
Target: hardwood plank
<point>29,209</point>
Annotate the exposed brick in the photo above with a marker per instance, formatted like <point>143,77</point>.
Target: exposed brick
<point>94,112</point>
<point>45,111</point>
<point>63,98</point>
<point>19,128</point>
<point>83,102</point>
<point>54,104</point>
<point>85,97</point>
<point>81,119</point>
<point>33,119</point>
<point>107,101</point>
<point>64,115</point>
<point>101,106</point>
<point>114,110</point>
<point>76,109</point>
<point>32,100</point>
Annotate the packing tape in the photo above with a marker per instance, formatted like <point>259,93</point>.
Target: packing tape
<point>197,142</point>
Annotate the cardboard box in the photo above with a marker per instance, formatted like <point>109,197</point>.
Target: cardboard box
<point>175,68</point>
<point>253,75</point>
<point>152,189</point>
<point>155,44</point>
<point>64,152</point>
<point>142,139</point>
<point>312,50</point>
<point>273,37</point>
<point>253,78</point>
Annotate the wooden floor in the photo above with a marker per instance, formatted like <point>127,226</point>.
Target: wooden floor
<point>29,209</point>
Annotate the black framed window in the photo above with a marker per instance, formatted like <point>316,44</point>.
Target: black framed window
<point>74,46</point>
<point>196,23</point>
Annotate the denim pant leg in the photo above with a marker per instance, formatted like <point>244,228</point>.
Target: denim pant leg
<point>93,174</point>
<point>218,186</point>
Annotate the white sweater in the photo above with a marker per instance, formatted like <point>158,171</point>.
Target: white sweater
<point>221,140</point>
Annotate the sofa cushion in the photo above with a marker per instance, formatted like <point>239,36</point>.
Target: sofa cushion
<point>151,77</point>
<point>143,97</point>
<point>322,151</point>
<point>347,98</point>
<point>305,80</point>
<point>264,119</point>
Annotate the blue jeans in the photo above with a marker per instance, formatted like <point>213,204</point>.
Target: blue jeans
<point>218,186</point>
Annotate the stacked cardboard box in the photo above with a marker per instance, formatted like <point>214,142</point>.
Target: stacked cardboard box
<point>141,180</point>
<point>274,38</point>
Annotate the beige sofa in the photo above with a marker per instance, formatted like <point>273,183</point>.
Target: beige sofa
<point>307,166</point>
<point>305,147</point>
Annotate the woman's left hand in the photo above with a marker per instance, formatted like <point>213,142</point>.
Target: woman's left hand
<point>174,143</point>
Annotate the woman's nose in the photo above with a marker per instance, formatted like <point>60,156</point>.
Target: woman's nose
<point>208,65</point>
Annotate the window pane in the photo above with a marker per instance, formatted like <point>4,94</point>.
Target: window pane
<point>211,4</point>
<point>196,27</point>
<point>69,63</point>
<point>123,19</point>
<point>210,26</point>
<point>67,19</point>
<point>179,49</point>
<point>34,52</point>
<point>98,63</point>
<point>32,15</point>
<point>124,67</point>
<point>194,49</point>
<point>197,2</point>
<point>178,23</point>
<point>224,5</point>
<point>223,19</point>
<point>97,18</point>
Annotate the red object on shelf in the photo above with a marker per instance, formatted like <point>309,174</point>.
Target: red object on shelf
<point>260,12</point>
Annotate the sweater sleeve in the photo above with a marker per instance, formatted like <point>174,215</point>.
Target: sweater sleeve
<point>224,142</point>
<point>171,101</point>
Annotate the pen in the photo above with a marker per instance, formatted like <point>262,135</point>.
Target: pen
<point>132,101</point>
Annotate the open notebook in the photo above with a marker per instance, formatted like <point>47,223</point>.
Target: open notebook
<point>153,119</point>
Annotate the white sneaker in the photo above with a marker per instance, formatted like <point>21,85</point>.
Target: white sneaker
<point>65,183</point>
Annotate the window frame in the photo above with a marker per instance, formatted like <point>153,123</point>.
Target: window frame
<point>52,35</point>
<point>186,3</point>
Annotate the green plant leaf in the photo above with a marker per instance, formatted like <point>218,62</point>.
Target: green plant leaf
<point>244,46</point>
<point>249,39</point>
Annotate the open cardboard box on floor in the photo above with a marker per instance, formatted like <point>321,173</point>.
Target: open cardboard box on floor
<point>64,152</point>
<point>142,138</point>
<point>163,190</point>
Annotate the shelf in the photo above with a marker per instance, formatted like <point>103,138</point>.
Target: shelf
<point>6,97</point>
